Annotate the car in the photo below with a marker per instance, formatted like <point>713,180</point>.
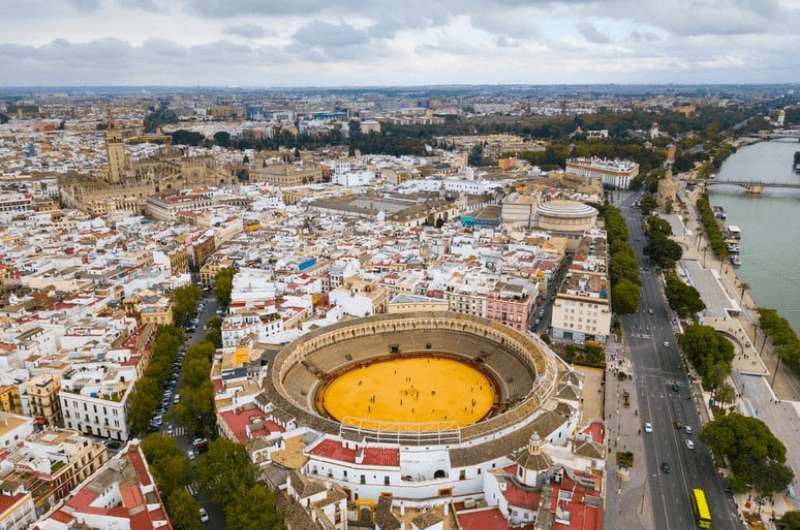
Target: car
<point>648,427</point>
<point>170,428</point>
<point>689,444</point>
<point>666,467</point>
<point>650,311</point>
<point>678,424</point>
<point>676,387</point>
<point>203,515</point>
<point>190,454</point>
<point>177,398</point>
<point>687,429</point>
<point>666,344</point>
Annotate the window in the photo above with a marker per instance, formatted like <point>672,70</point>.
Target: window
<point>386,480</point>
<point>363,479</point>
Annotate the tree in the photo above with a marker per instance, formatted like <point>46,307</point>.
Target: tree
<point>624,265</point>
<point>725,393</point>
<point>683,299</point>
<point>255,509</point>
<point>664,251</point>
<point>225,472</point>
<point>625,297</point>
<point>184,137</point>
<point>755,456</point>
<point>184,303</point>
<point>170,467</point>
<point>475,157</point>
<point>214,332</point>
<point>222,138</point>
<point>709,352</point>
<point>657,226</point>
<point>648,204</point>
<point>141,403</point>
<point>223,284</point>
<point>790,521</point>
<point>184,511</point>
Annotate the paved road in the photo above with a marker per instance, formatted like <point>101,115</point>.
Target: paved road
<point>183,440</point>
<point>656,367</point>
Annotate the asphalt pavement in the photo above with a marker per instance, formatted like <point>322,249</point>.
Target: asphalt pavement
<point>184,439</point>
<point>657,366</point>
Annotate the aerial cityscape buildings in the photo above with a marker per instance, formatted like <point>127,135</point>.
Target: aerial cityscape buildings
<point>418,307</point>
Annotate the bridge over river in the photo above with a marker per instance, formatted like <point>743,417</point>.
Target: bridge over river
<point>750,186</point>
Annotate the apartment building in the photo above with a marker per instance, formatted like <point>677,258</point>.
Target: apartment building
<point>16,507</point>
<point>94,399</point>
<point>52,462</point>
<point>42,390</point>
<point>582,309</point>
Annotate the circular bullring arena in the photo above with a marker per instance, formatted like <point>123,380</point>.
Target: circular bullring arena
<point>413,378</point>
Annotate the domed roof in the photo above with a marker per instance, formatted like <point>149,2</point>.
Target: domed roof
<point>563,208</point>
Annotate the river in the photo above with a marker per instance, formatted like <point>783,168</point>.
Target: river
<point>770,224</point>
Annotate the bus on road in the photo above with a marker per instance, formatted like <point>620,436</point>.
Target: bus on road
<point>700,508</point>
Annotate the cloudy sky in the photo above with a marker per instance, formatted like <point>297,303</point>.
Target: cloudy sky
<point>401,42</point>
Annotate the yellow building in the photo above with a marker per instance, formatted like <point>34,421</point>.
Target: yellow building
<point>42,390</point>
<point>10,400</point>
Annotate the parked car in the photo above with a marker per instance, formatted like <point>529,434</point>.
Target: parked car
<point>648,427</point>
<point>689,444</point>
<point>203,515</point>
<point>666,467</point>
<point>177,398</point>
<point>666,344</point>
<point>687,429</point>
<point>190,454</point>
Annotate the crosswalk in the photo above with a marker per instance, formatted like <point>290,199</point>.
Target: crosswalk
<point>192,489</point>
<point>176,432</point>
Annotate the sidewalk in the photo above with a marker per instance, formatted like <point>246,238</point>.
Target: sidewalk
<point>628,503</point>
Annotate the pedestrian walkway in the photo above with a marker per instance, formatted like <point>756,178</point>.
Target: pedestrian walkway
<point>175,433</point>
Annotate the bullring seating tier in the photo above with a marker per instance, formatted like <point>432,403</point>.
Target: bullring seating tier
<point>524,369</point>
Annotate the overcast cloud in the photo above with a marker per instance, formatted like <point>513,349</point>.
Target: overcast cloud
<point>378,42</point>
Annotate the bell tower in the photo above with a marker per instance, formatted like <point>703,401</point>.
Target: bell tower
<point>115,150</point>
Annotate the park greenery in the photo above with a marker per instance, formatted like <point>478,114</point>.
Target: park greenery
<point>756,458</point>
<point>710,352</point>
<point>223,284</point>
<point>173,472</point>
<point>158,118</point>
<point>226,474</point>
<point>184,303</point>
<point>149,388</point>
<point>683,298</point>
<point>713,233</point>
<point>783,336</point>
<point>624,268</point>
<point>591,354</point>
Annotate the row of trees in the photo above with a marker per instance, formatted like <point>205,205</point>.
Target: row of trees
<point>223,284</point>
<point>713,233</point>
<point>710,353</point>
<point>624,268</point>
<point>148,389</point>
<point>783,336</point>
<point>195,412</point>
<point>173,472</point>
<point>683,298</point>
<point>226,474</point>
<point>660,248</point>
<point>755,456</point>
<point>184,303</point>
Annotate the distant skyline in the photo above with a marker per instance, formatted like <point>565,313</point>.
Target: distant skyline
<point>380,43</point>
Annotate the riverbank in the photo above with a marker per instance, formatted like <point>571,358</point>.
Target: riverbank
<point>745,327</point>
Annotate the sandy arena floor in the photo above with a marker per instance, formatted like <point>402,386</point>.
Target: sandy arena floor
<point>399,393</point>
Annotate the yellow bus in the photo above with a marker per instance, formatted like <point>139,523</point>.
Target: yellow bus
<point>700,508</point>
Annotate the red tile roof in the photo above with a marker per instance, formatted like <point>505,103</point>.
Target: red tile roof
<point>238,422</point>
<point>482,520</point>
<point>373,456</point>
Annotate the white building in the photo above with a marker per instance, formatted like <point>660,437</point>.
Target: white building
<point>617,174</point>
<point>94,399</point>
